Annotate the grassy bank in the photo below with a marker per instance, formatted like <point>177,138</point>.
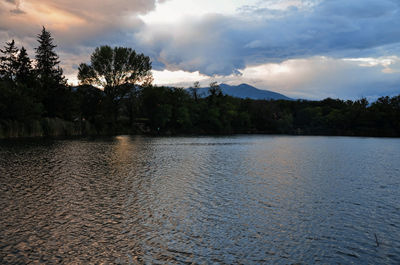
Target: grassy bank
<point>46,127</point>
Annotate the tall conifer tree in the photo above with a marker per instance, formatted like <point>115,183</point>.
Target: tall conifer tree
<point>8,61</point>
<point>52,89</point>
<point>23,67</point>
<point>47,61</point>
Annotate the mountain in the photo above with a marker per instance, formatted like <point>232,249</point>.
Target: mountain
<point>245,91</point>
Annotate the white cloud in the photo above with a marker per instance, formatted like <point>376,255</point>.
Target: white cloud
<point>390,64</point>
<point>311,78</point>
<point>175,11</point>
<point>177,78</point>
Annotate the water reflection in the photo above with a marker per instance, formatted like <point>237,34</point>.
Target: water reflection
<point>253,200</point>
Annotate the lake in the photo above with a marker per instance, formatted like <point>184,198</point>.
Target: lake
<point>201,200</point>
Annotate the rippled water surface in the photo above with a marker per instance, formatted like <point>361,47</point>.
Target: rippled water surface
<point>201,200</point>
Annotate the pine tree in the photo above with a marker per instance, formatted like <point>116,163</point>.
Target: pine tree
<point>47,61</point>
<point>23,67</point>
<point>52,88</point>
<point>8,61</point>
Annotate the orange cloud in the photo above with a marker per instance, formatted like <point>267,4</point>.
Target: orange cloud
<point>75,19</point>
<point>76,25</point>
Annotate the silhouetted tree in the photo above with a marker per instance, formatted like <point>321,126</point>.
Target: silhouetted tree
<point>52,89</point>
<point>90,102</point>
<point>194,90</point>
<point>48,70</point>
<point>214,89</point>
<point>8,61</point>
<point>113,69</point>
<point>23,68</point>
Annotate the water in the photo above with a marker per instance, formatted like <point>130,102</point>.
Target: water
<point>201,200</point>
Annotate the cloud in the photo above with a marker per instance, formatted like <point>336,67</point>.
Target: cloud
<point>17,11</point>
<point>185,79</point>
<point>303,48</point>
<point>72,22</point>
<point>77,26</point>
<point>320,77</point>
<point>312,78</point>
<point>218,44</point>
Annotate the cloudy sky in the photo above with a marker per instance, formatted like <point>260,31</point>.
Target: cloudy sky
<point>302,48</point>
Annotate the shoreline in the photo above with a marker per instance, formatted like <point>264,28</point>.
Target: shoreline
<point>152,135</point>
<point>56,128</point>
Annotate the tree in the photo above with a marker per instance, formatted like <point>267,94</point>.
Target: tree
<point>113,67</point>
<point>195,90</point>
<point>215,93</point>
<point>115,70</point>
<point>89,98</point>
<point>23,67</point>
<point>48,71</point>
<point>214,89</point>
<point>8,62</point>
<point>51,84</point>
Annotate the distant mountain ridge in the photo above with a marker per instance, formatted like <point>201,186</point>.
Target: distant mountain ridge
<point>245,91</point>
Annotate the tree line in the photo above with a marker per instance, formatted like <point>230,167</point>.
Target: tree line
<point>116,95</point>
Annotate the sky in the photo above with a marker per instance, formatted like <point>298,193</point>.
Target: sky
<point>309,49</point>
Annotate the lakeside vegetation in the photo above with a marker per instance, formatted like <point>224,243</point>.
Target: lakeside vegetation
<point>35,100</point>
